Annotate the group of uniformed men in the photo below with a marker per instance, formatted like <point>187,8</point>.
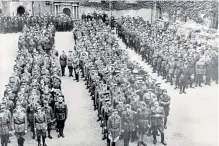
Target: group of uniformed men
<point>13,24</point>
<point>33,96</point>
<point>108,20</point>
<point>129,102</point>
<point>180,60</point>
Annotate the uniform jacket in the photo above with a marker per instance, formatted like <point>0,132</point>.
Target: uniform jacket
<point>61,111</point>
<point>40,121</point>
<point>31,110</point>
<point>49,113</point>
<point>5,123</point>
<point>70,60</point>
<point>143,118</point>
<point>200,68</point>
<point>165,101</point>
<point>63,60</point>
<point>128,121</point>
<point>114,125</point>
<point>19,121</point>
<point>157,121</point>
<point>135,105</point>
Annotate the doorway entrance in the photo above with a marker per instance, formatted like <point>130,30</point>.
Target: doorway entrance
<point>67,11</point>
<point>20,10</point>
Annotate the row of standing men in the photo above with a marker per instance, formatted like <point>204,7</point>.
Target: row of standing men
<point>121,116</point>
<point>33,96</point>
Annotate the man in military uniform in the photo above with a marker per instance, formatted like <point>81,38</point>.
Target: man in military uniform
<point>31,110</point>
<point>114,127</point>
<point>63,62</point>
<point>157,116</point>
<point>165,103</point>
<point>40,125</point>
<point>70,63</point>
<point>128,124</point>
<point>83,17</point>
<point>76,67</point>
<point>49,117</point>
<point>19,121</point>
<point>106,111</point>
<point>200,71</point>
<point>5,125</point>
<point>143,122</point>
<point>61,113</point>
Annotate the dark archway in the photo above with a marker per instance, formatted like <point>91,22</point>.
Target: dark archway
<point>67,11</point>
<point>20,10</point>
<point>0,11</point>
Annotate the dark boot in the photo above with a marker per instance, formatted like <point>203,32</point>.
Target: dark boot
<point>162,139</point>
<point>154,137</point>
<point>44,142</point>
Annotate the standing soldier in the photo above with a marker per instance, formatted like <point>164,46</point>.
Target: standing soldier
<point>157,116</point>
<point>83,17</point>
<point>76,67</point>
<point>19,121</point>
<point>5,125</point>
<point>128,124</point>
<point>144,122</point>
<point>63,62</point>
<point>49,116</point>
<point>114,127</point>
<point>200,71</point>
<point>31,110</point>
<point>165,103</point>
<point>70,63</point>
<point>40,125</point>
<point>61,113</point>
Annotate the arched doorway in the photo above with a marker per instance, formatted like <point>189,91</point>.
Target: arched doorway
<point>67,11</point>
<point>0,11</point>
<point>20,10</point>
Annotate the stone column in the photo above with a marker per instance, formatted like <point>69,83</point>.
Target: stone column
<point>73,11</point>
<point>76,12</point>
<point>77,16</point>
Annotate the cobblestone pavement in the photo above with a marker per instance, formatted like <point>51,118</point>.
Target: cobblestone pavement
<point>192,120</point>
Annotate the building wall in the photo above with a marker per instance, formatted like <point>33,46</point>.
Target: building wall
<point>40,8</point>
<point>14,5</point>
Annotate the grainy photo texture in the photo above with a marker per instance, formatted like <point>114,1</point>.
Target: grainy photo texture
<point>108,73</point>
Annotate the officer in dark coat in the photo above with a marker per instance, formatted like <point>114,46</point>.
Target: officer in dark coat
<point>83,17</point>
<point>31,110</point>
<point>63,62</point>
<point>61,113</point>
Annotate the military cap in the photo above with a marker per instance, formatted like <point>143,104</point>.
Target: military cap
<point>45,101</point>
<point>39,107</point>
<point>115,110</point>
<point>2,106</point>
<point>128,106</point>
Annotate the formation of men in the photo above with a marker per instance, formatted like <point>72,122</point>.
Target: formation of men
<point>14,24</point>
<point>33,96</point>
<point>179,58</point>
<point>130,104</point>
<point>99,16</point>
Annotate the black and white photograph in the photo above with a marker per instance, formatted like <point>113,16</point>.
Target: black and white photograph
<point>109,73</point>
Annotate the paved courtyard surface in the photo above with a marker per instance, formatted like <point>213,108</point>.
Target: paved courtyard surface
<point>193,116</point>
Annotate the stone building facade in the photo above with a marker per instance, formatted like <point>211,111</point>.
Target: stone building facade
<point>40,7</point>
